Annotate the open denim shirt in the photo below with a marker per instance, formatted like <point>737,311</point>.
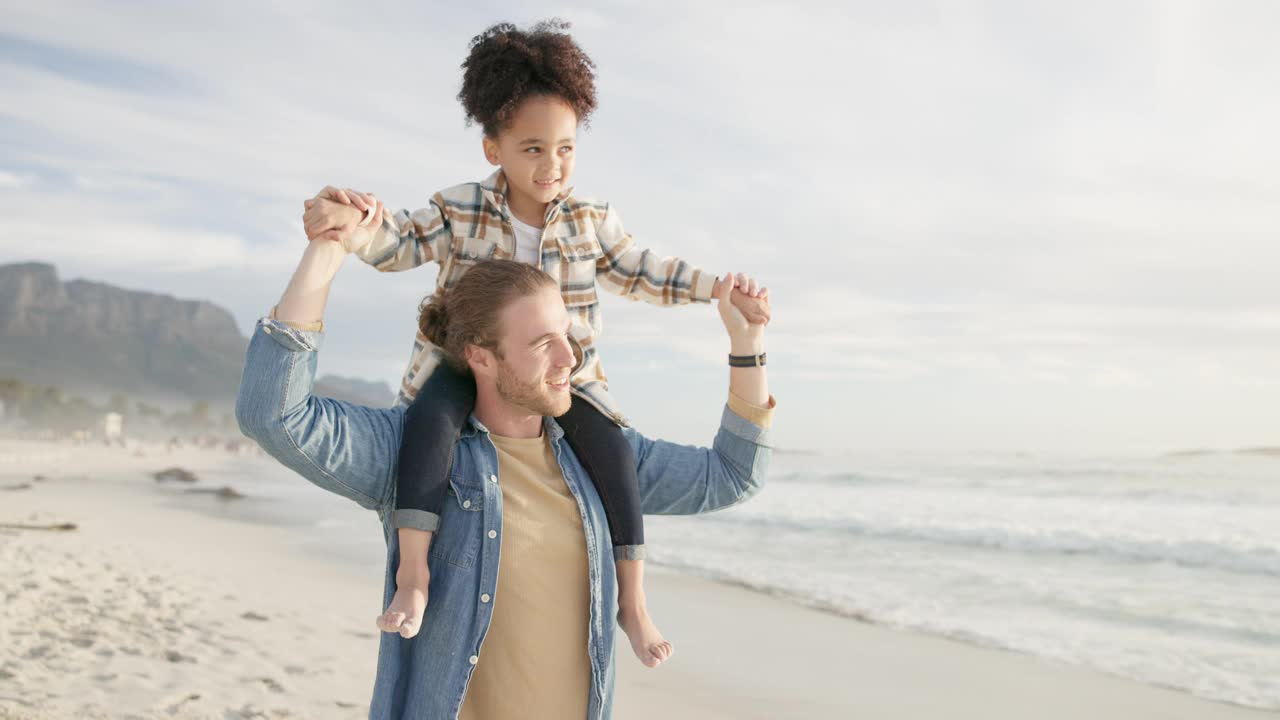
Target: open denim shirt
<point>351,450</point>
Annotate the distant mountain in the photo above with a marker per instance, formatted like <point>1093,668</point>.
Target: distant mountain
<point>87,336</point>
<point>360,392</point>
<point>94,339</point>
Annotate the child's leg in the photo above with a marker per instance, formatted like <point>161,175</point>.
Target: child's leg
<point>607,457</point>
<point>431,428</point>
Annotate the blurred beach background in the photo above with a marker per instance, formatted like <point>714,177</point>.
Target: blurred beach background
<point>911,586</point>
<point>1025,344</point>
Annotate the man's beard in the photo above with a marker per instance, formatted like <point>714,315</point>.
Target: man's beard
<point>536,397</point>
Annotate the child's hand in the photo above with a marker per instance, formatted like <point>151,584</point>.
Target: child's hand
<point>364,202</point>
<point>330,220</point>
<point>755,309</point>
<point>751,298</point>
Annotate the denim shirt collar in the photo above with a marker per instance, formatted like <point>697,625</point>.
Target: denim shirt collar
<point>475,427</point>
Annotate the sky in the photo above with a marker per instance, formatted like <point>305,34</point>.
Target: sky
<point>995,226</point>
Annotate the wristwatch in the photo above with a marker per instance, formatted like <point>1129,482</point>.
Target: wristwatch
<point>747,360</point>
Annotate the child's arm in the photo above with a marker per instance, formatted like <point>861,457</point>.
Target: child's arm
<point>637,274</point>
<point>400,240</point>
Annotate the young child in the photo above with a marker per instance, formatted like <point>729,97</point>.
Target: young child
<point>529,91</point>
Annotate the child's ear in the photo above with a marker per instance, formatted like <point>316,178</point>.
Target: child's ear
<point>491,150</point>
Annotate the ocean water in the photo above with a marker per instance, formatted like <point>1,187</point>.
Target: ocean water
<point>1165,570</point>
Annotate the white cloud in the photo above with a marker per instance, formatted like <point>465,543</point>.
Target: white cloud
<point>11,180</point>
<point>974,199</point>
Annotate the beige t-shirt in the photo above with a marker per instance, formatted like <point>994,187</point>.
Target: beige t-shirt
<point>534,663</point>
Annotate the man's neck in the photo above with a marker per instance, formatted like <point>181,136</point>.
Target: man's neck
<point>505,420</point>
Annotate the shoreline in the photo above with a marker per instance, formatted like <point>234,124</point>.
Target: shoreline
<point>805,604</point>
<point>218,612</point>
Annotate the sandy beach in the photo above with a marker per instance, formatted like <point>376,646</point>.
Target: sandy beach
<point>166,603</point>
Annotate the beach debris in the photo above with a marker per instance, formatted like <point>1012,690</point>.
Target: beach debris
<point>60,527</point>
<point>225,492</point>
<point>174,656</point>
<point>19,486</point>
<point>251,615</point>
<point>270,683</point>
<point>39,478</point>
<point>174,708</point>
<point>175,474</point>
<point>252,712</point>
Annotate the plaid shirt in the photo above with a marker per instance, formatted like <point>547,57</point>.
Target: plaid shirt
<point>583,245</point>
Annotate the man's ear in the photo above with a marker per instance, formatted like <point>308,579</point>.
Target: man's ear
<point>491,150</point>
<point>482,360</point>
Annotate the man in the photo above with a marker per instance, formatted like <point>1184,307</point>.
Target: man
<point>539,642</point>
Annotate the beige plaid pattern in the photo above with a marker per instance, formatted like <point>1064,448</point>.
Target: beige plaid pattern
<point>584,246</point>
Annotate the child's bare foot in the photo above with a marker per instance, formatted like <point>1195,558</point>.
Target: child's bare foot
<point>404,614</point>
<point>647,643</point>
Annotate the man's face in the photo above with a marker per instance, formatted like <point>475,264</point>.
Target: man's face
<point>536,357</point>
<point>536,150</point>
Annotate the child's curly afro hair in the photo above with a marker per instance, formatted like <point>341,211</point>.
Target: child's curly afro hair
<point>506,65</point>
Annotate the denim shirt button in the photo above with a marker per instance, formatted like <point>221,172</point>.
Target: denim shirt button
<point>473,659</point>
<point>484,598</point>
<point>493,478</point>
<point>466,503</point>
<point>493,534</point>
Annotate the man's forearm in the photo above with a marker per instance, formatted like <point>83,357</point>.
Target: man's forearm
<point>749,383</point>
<point>305,297</point>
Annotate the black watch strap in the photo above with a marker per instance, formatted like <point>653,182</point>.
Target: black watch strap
<point>747,360</point>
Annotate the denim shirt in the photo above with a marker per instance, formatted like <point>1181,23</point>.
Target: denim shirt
<point>351,450</point>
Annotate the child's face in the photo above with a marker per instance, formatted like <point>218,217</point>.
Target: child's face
<point>536,151</point>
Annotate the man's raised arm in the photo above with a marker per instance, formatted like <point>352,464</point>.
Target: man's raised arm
<point>684,480</point>
<point>344,448</point>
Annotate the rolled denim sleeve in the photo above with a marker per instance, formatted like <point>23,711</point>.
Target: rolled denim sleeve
<point>344,448</point>
<point>686,480</point>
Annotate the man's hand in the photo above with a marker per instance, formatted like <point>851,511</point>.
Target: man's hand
<point>749,296</point>
<point>746,337</point>
<point>364,202</point>
<point>755,308</point>
<point>359,200</point>
<point>343,224</point>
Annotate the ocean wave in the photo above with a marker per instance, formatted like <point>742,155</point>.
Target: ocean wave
<point>1238,686</point>
<point>1042,485</point>
<point>837,479</point>
<point>1203,554</point>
